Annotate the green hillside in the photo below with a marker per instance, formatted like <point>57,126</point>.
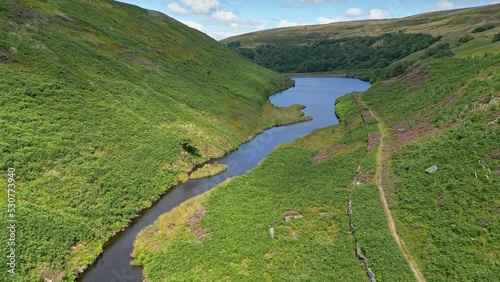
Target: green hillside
<point>446,113</point>
<point>103,107</point>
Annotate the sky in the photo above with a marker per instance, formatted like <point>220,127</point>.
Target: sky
<point>224,18</point>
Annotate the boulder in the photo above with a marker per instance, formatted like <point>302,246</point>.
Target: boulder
<point>494,101</point>
<point>432,169</point>
<point>13,25</point>
<point>289,215</point>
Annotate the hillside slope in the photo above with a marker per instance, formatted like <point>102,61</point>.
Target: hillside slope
<point>442,23</point>
<point>103,106</point>
<point>444,113</point>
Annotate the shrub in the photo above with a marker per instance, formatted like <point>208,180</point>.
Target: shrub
<point>496,37</point>
<point>464,39</point>
<point>483,28</point>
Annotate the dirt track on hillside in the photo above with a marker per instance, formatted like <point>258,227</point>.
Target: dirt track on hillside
<point>381,167</point>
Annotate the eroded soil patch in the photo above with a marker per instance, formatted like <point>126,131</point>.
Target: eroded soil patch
<point>194,223</point>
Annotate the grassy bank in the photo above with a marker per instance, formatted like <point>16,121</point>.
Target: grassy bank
<point>208,170</point>
<point>311,176</point>
<point>102,106</point>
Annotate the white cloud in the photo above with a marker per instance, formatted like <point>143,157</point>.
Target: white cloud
<point>441,5</point>
<point>494,2</point>
<point>224,16</point>
<point>377,14</point>
<point>286,23</point>
<point>239,27</point>
<point>254,24</point>
<point>354,12</point>
<point>201,6</point>
<point>192,24</point>
<point>323,20</point>
<point>176,8</point>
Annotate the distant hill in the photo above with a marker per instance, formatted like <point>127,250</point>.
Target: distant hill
<point>442,23</point>
<point>103,107</point>
<point>373,49</point>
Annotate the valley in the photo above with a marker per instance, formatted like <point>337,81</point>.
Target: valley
<point>138,140</point>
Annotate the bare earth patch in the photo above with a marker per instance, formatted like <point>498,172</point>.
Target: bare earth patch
<point>367,116</point>
<point>364,178</point>
<point>336,150</point>
<point>269,255</point>
<point>416,75</point>
<point>407,131</point>
<point>194,223</point>
<point>373,140</point>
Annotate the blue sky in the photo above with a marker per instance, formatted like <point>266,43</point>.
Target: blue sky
<point>223,18</point>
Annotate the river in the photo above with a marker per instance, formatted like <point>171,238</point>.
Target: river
<point>318,94</point>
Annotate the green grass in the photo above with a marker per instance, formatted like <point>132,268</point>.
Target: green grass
<point>316,247</point>
<point>451,217</point>
<point>208,170</point>
<point>102,107</point>
<point>372,232</point>
<point>443,90</point>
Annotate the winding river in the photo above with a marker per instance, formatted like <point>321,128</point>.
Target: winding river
<point>318,94</point>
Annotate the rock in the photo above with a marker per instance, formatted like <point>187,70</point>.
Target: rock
<point>13,25</point>
<point>13,49</point>
<point>271,232</point>
<point>289,215</point>
<point>432,169</point>
<point>371,275</point>
<point>494,101</point>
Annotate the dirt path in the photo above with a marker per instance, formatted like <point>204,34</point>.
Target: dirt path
<point>381,158</point>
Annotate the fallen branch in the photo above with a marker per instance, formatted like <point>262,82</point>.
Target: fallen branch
<point>493,122</point>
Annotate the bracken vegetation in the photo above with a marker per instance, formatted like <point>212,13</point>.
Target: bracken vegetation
<point>445,113</point>
<point>103,106</point>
